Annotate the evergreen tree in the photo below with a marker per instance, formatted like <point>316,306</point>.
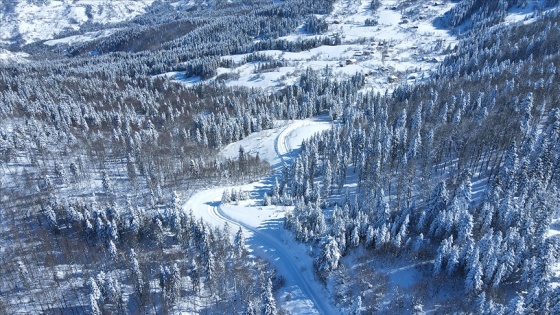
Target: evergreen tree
<point>464,227</point>
<point>268,301</point>
<point>93,288</point>
<point>175,283</point>
<point>516,306</point>
<point>436,204</point>
<point>276,191</point>
<point>226,196</point>
<point>136,273</point>
<point>94,306</point>
<point>239,244</point>
<point>354,237</point>
<point>107,184</point>
<point>251,309</point>
<point>473,282</point>
<point>113,252</point>
<point>209,265</point>
<point>357,307</point>
<point>329,257</point>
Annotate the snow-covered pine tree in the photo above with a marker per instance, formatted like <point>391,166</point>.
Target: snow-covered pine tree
<point>329,257</point>
<point>268,300</point>
<point>239,244</point>
<point>473,281</point>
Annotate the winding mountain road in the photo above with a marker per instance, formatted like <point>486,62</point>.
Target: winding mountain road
<point>265,239</point>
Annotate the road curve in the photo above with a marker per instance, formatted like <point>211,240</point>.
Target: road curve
<point>206,204</point>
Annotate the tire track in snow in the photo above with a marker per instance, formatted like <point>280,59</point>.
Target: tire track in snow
<point>281,146</point>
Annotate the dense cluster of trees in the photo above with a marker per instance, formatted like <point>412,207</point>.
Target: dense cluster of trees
<point>314,25</point>
<point>85,188</point>
<point>416,155</point>
<point>480,14</point>
<point>92,147</point>
<point>461,170</point>
<point>217,32</point>
<point>138,259</point>
<point>86,176</point>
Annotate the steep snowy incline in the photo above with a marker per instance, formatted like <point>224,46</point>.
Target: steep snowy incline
<point>7,56</point>
<point>263,226</point>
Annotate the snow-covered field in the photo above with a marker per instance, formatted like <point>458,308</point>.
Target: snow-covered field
<point>277,144</point>
<point>263,226</point>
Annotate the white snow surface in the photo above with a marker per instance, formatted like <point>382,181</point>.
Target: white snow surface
<point>42,21</point>
<point>8,56</point>
<point>263,226</point>
<point>276,145</point>
<point>89,36</point>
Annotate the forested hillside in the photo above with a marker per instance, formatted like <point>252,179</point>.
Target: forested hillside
<point>451,174</point>
<point>93,151</point>
<point>460,172</point>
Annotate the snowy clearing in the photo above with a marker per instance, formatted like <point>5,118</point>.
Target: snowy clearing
<point>527,14</point>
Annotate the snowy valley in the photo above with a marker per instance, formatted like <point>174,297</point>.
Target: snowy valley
<point>279,157</point>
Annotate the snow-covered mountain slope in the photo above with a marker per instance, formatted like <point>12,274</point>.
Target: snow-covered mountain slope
<point>8,56</point>
<point>24,22</point>
<point>431,183</point>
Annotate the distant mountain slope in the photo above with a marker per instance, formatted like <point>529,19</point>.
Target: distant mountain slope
<point>27,21</point>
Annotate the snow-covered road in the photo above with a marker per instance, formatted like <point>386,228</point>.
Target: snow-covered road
<point>263,226</point>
